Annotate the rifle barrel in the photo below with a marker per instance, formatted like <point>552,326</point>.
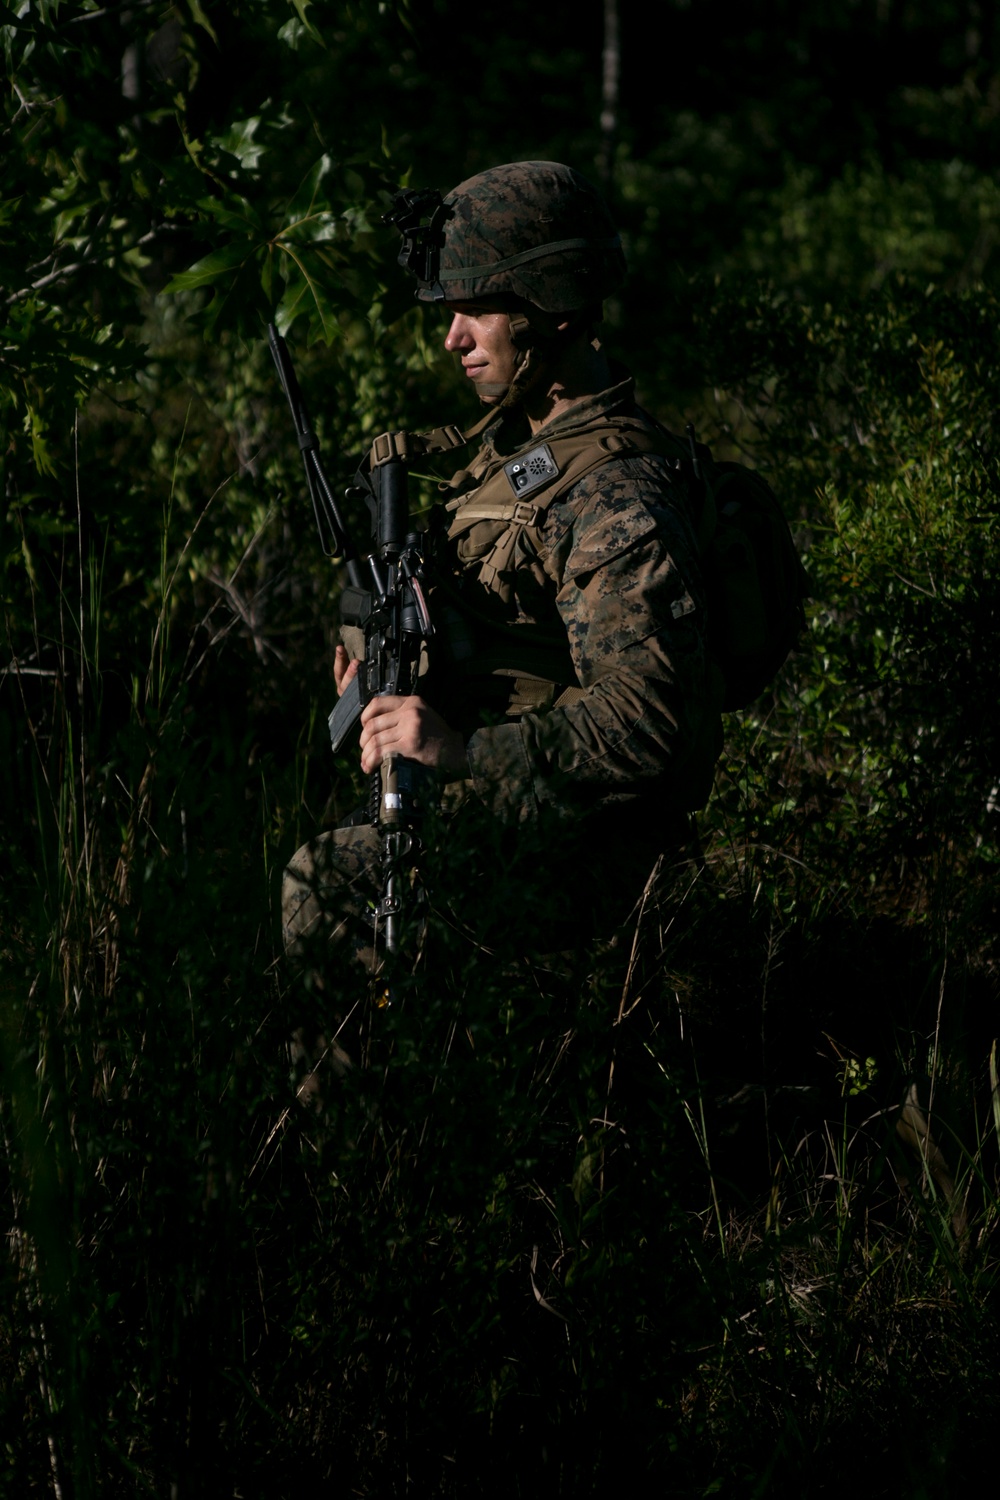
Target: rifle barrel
<point>325,507</point>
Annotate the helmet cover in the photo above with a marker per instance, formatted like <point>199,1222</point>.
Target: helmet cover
<point>536,230</point>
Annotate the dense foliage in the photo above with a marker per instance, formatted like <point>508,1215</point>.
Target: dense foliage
<point>668,1200</point>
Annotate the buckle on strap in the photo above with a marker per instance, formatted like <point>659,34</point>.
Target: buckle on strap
<point>405,446</point>
<point>389,446</point>
<point>443,439</point>
<point>524,514</point>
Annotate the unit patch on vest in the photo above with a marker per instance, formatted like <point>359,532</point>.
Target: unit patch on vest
<point>531,469</point>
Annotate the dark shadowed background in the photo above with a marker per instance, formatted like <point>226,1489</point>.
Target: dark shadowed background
<point>669,1214</point>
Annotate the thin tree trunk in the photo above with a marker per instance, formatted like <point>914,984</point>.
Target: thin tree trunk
<point>610,75</point>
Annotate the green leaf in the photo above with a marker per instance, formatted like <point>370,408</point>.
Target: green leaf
<point>199,17</point>
<point>304,200</point>
<point>242,219</point>
<point>212,268</point>
<point>292,305</point>
<point>238,304</point>
<point>292,33</point>
<point>301,7</point>
<point>271,279</point>
<point>239,141</point>
<point>308,294</point>
<point>41,453</point>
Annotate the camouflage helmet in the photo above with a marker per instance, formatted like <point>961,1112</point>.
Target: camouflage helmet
<point>534,229</point>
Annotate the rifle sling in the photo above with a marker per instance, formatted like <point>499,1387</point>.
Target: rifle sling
<point>406,446</point>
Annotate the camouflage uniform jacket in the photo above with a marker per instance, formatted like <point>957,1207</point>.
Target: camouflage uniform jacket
<point>609,582</point>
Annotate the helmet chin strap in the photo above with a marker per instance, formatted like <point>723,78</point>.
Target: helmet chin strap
<point>533,349</point>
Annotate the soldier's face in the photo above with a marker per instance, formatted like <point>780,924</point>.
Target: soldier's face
<point>480,333</point>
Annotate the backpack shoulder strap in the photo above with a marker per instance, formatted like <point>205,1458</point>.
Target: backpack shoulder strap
<point>519,490</point>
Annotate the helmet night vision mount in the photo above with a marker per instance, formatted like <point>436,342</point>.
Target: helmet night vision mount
<point>422,242</point>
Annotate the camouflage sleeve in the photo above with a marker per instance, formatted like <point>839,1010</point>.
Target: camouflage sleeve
<point>629,593</point>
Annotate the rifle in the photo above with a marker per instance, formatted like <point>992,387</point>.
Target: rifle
<point>391,609</point>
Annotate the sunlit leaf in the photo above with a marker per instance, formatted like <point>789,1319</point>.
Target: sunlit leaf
<point>307,197</point>
<point>311,295</point>
<point>239,142</point>
<point>302,6</point>
<point>201,19</point>
<point>296,300</point>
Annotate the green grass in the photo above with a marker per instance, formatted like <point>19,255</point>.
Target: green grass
<point>654,1210</point>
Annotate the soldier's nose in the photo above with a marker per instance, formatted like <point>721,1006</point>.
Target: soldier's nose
<point>458,335</point>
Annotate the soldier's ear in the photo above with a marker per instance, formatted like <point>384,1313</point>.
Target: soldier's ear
<point>573,323</point>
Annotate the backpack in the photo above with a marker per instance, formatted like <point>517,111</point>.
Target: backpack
<point>754,579</point>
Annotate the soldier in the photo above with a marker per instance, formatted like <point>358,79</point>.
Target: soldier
<point>570,698</point>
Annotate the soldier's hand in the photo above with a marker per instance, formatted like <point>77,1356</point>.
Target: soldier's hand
<point>410,727</point>
<point>344,669</point>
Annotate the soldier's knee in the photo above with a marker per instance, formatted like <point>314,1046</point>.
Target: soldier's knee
<point>300,905</point>
<point>326,884</point>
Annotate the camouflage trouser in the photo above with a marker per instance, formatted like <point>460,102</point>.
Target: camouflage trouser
<point>326,894</point>
<point>549,891</point>
<point>539,896</point>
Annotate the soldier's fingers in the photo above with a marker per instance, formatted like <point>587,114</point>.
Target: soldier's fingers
<point>378,708</point>
<point>343,669</point>
<point>379,736</point>
<point>372,738</point>
<point>371,752</point>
